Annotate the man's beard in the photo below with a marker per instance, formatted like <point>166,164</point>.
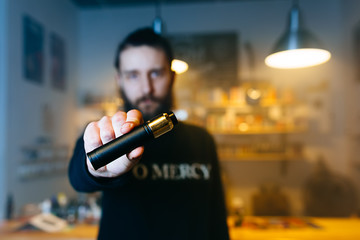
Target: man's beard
<point>164,104</point>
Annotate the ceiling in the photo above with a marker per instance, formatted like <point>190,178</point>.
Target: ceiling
<point>120,3</point>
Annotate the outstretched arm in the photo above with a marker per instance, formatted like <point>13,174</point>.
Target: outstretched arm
<point>82,175</point>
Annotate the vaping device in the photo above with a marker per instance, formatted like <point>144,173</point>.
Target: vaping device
<point>152,129</point>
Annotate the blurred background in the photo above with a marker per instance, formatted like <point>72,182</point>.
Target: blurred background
<point>288,139</point>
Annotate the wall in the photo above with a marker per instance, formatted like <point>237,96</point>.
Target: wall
<point>351,72</point>
<point>25,101</point>
<point>3,107</point>
<point>261,23</point>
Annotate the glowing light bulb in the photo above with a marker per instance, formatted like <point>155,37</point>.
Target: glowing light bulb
<point>179,66</point>
<point>298,58</point>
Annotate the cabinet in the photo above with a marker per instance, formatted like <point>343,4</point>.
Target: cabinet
<point>252,129</point>
<point>43,160</point>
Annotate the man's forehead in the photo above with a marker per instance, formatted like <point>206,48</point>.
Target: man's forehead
<point>143,51</point>
<point>139,57</point>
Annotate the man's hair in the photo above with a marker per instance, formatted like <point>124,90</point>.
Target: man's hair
<point>144,37</point>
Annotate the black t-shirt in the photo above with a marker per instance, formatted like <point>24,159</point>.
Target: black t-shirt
<point>174,192</point>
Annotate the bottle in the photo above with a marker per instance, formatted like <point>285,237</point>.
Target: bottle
<point>9,213</point>
<point>238,211</point>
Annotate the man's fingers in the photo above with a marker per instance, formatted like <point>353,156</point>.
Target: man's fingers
<point>92,137</point>
<point>134,116</point>
<point>106,129</point>
<point>135,154</point>
<point>133,119</point>
<point>117,121</point>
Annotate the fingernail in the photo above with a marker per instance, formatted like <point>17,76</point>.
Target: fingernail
<point>127,126</point>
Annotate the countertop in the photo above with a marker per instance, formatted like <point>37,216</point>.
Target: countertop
<point>253,228</point>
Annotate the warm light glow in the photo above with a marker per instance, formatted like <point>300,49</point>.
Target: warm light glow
<point>253,93</point>
<point>181,114</point>
<point>243,127</point>
<point>298,58</point>
<point>179,66</point>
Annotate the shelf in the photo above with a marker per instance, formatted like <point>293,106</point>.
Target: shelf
<point>246,130</point>
<point>259,132</point>
<point>244,105</point>
<point>261,157</point>
<point>44,153</point>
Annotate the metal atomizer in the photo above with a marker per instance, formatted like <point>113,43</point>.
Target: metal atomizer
<point>114,149</point>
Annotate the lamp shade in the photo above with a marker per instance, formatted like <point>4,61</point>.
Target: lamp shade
<point>297,47</point>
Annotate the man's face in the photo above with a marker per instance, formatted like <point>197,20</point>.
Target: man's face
<point>145,79</point>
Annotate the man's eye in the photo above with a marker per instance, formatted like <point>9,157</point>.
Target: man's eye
<point>156,74</point>
<point>132,76</point>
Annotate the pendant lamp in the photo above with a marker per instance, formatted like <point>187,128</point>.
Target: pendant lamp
<point>178,66</point>
<point>297,47</point>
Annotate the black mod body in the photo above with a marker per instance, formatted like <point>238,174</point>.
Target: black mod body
<point>136,138</point>
<point>119,146</point>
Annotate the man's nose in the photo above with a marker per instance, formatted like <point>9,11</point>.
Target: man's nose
<point>147,85</point>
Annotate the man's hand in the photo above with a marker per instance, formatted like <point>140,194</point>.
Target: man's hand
<point>98,133</point>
